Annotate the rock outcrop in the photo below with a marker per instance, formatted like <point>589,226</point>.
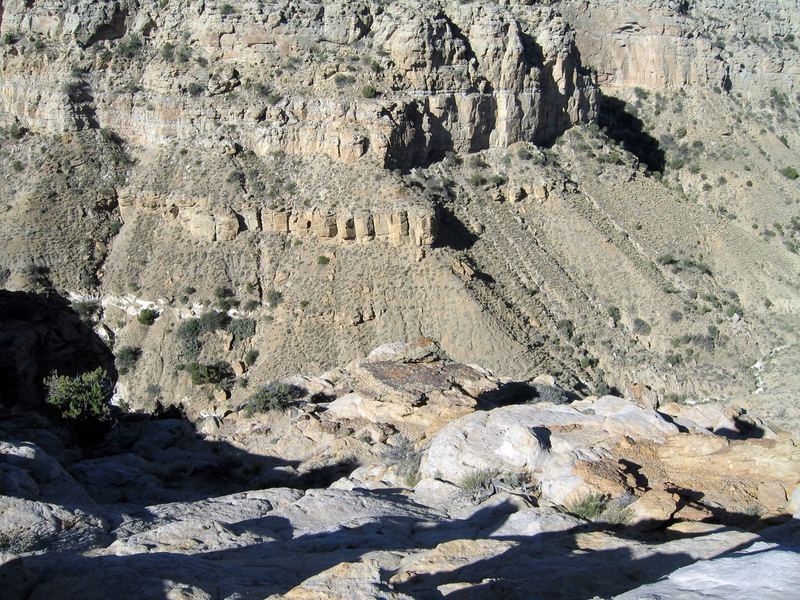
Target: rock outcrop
<point>463,78</point>
<point>492,504</point>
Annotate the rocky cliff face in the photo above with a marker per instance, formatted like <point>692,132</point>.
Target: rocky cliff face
<point>327,176</point>
<point>290,76</point>
<point>668,45</point>
<point>406,475</point>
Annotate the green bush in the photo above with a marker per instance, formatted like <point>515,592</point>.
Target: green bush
<point>250,357</point>
<point>147,316</point>
<point>369,91</point>
<point>341,80</point>
<point>588,507</point>
<point>129,48</point>
<point>641,326</point>
<point>546,393</point>
<point>790,173</point>
<point>565,326</point>
<point>274,396</point>
<point>323,260</point>
<point>218,373</point>
<point>406,459</point>
<point>126,358</point>
<point>82,401</point>
<point>212,321</point>
<point>614,313</point>
<point>478,480</point>
<point>273,298</point>
<point>477,179</point>
<point>242,328</point>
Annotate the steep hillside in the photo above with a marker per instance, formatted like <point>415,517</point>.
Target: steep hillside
<point>605,192</point>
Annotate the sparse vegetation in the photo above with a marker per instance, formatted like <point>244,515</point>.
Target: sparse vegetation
<point>250,357</point>
<point>273,396</point>
<point>147,316</point>
<point>242,328</point>
<point>126,358</point>
<point>406,459</point>
<point>601,509</point>
<point>82,401</point>
<point>478,479</point>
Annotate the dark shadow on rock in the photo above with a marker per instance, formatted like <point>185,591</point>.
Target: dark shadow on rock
<point>552,565</point>
<point>628,130</point>
<point>452,232</point>
<point>523,392</point>
<point>41,333</point>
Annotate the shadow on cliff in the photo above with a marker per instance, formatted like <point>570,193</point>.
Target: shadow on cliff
<point>629,131</point>
<point>554,564</point>
<point>452,231</point>
<point>41,333</point>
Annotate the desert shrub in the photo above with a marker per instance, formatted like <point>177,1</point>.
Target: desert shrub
<point>191,348</point>
<point>524,154</point>
<point>130,47</point>
<point>641,326</point>
<point>242,328</point>
<point>478,479</point>
<point>189,329</point>
<point>82,401</point>
<point>406,458</point>
<point>275,395</point>
<point>168,52</point>
<point>614,313</point>
<point>790,173</point>
<point>218,373</point>
<point>251,305</point>
<point>17,542</point>
<point>323,260</point>
<point>369,91</point>
<point>85,310</point>
<point>126,358</point>
<point>674,359</point>
<point>250,357</point>
<point>212,321</point>
<point>195,89</point>
<point>147,316</point>
<point>565,326</point>
<point>273,98</point>
<point>588,507</point>
<point>476,179</point>
<point>476,162</point>
<point>666,259</point>
<point>16,131</point>
<point>546,393</point>
<point>227,9</point>
<point>273,298</point>
<point>342,80</point>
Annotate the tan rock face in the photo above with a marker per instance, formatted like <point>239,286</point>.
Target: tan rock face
<point>463,78</point>
<point>574,452</point>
